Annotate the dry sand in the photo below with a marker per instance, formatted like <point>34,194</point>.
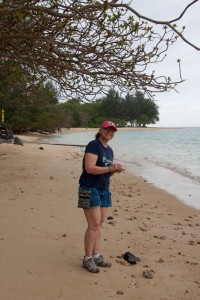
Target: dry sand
<point>41,233</point>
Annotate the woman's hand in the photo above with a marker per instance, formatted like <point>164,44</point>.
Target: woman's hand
<point>116,168</point>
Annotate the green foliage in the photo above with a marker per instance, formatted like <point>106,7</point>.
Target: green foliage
<point>32,105</point>
<point>110,105</point>
<point>29,103</point>
<point>128,110</point>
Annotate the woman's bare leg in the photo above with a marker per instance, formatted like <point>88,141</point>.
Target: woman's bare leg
<point>93,217</point>
<point>96,247</point>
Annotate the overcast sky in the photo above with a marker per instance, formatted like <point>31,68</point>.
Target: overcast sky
<point>183,108</point>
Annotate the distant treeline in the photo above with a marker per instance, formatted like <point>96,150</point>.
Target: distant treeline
<point>33,105</point>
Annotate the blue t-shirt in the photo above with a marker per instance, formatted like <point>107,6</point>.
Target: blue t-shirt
<point>105,158</point>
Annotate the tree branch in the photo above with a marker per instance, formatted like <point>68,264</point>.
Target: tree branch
<point>88,45</point>
<point>159,22</point>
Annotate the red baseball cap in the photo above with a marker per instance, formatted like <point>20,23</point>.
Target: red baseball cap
<point>107,124</point>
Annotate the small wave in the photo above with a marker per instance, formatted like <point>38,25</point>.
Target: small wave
<point>183,172</point>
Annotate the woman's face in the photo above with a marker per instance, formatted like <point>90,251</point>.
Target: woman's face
<point>107,133</point>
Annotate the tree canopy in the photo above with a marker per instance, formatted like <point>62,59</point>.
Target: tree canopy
<point>87,46</point>
<point>41,111</point>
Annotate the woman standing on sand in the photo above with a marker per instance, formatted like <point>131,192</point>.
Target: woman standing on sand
<point>94,192</point>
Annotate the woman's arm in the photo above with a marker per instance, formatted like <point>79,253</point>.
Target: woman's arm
<point>91,168</point>
<point>90,165</point>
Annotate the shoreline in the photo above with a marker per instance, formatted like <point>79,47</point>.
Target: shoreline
<point>164,178</point>
<point>41,233</point>
<point>33,135</point>
<point>175,184</point>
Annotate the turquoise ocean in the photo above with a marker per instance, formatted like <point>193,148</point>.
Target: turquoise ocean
<point>167,158</point>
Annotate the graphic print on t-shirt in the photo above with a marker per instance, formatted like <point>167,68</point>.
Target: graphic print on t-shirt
<point>106,161</point>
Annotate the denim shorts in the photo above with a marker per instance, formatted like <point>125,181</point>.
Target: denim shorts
<point>91,197</point>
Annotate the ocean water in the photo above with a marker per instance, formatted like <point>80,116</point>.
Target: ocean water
<point>167,158</point>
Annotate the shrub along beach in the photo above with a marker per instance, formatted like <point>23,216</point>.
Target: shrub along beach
<point>41,231</point>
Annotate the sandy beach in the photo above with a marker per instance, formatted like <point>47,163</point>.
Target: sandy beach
<point>41,233</point>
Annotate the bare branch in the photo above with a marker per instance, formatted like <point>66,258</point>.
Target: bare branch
<point>181,15</point>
